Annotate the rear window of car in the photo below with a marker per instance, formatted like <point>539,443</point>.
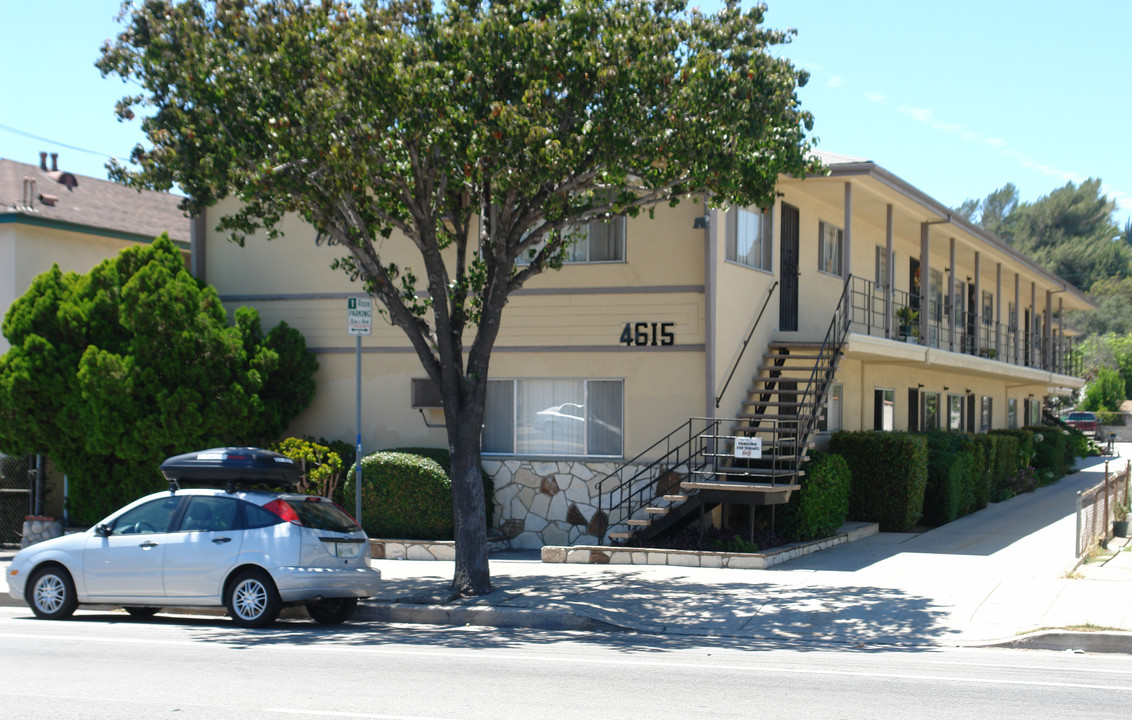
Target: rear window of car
<point>323,516</point>
<point>1082,416</point>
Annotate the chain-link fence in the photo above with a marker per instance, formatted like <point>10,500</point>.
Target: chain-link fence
<point>15,497</point>
<point>1098,506</point>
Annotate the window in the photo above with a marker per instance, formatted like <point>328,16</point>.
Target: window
<point>1012,412</point>
<point>882,267</point>
<point>1034,415</point>
<point>153,517</point>
<point>210,514</point>
<point>829,248</point>
<point>830,420</point>
<point>596,242</point>
<point>988,308</point>
<point>955,412</point>
<point>930,418</point>
<point>554,417</point>
<point>884,409</point>
<point>748,238</point>
<point>986,415</point>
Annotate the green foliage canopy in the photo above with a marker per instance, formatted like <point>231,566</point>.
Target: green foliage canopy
<point>1106,392</point>
<point>376,117</point>
<point>113,371</point>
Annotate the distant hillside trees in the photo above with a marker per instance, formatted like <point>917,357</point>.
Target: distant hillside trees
<point>1070,232</point>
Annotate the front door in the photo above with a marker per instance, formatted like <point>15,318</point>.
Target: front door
<point>788,303</point>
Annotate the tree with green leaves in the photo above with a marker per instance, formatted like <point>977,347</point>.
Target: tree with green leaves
<point>112,371</point>
<point>478,133</point>
<point>1106,392</point>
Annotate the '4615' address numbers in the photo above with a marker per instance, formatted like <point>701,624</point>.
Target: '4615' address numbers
<point>645,333</point>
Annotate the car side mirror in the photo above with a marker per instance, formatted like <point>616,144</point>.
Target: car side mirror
<point>102,530</point>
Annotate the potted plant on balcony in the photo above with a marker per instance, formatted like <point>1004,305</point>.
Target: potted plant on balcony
<point>909,323</point>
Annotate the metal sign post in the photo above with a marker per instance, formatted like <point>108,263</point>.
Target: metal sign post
<point>359,321</point>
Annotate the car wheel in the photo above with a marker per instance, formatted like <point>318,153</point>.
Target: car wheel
<point>51,594</point>
<point>252,599</point>
<point>333,611</point>
<point>142,613</point>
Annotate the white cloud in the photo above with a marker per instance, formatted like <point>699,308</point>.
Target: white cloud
<point>876,97</point>
<point>835,82</point>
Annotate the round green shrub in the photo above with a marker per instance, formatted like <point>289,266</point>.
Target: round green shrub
<point>403,496</point>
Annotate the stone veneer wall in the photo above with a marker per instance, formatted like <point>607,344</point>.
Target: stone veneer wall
<point>553,502</point>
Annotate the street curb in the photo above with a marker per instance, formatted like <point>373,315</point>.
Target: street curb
<point>1066,641</point>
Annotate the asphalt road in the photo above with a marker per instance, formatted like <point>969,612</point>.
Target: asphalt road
<point>104,665</point>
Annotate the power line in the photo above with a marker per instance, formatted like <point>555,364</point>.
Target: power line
<point>26,134</point>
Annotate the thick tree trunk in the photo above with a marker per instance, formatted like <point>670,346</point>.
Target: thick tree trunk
<point>472,576</point>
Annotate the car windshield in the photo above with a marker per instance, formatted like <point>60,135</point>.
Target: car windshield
<point>323,516</point>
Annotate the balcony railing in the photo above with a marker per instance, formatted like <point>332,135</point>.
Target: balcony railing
<point>971,334</point>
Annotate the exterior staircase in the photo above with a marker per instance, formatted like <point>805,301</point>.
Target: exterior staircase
<point>702,463</point>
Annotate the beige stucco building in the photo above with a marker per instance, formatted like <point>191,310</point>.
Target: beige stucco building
<point>690,315</point>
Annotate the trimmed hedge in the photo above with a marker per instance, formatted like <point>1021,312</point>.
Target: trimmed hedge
<point>1110,418</point>
<point>890,472</point>
<point>820,507</point>
<point>404,496</point>
<point>442,456</point>
<point>944,494</point>
<point>1025,450</point>
<point>981,489</point>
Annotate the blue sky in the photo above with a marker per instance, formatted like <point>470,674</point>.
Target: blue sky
<point>957,98</point>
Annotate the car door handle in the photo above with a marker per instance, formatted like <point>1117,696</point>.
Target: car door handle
<point>220,541</point>
<point>148,544</point>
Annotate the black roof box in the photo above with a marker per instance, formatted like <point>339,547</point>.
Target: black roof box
<point>232,465</point>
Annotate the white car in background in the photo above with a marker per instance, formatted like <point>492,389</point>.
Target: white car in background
<point>249,550</point>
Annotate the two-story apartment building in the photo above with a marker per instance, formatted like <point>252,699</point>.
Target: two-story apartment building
<point>856,302</point>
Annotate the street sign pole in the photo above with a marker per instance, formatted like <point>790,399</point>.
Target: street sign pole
<point>359,321</point>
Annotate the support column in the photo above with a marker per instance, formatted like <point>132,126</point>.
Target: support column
<point>890,273</point>
<point>998,311</point>
<point>925,279</point>
<point>951,300</point>
<point>1032,330</point>
<point>1047,333</point>
<point>1061,364</point>
<point>977,311</point>
<point>847,234</point>
<point>1017,320</point>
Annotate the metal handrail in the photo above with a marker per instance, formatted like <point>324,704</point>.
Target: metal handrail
<point>743,349</point>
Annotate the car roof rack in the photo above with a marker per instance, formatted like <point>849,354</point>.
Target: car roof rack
<point>231,467</point>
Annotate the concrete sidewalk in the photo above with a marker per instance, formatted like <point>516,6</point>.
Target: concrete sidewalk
<point>1004,575</point>
<point>987,578</point>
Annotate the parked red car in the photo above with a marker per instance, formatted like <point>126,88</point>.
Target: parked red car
<point>1086,422</point>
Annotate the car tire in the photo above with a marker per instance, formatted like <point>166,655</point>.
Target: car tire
<point>252,599</point>
<point>332,611</point>
<point>51,593</point>
<point>142,613</point>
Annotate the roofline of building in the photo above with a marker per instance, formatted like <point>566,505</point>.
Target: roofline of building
<point>871,169</point>
<point>25,219</point>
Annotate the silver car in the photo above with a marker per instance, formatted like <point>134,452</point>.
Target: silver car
<point>252,551</point>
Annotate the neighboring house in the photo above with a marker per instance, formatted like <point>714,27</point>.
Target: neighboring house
<point>48,215</point>
<point>879,308</point>
<point>51,216</point>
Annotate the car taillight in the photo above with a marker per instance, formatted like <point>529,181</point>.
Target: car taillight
<point>283,510</point>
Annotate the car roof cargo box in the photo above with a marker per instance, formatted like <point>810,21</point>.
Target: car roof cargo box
<point>232,466</point>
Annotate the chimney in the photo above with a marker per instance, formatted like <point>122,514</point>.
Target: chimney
<point>54,162</point>
<point>43,161</point>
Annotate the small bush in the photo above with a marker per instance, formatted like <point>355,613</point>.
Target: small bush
<point>442,456</point>
<point>820,507</point>
<point>404,496</point>
<point>1024,453</point>
<point>323,469</point>
<point>1110,418</point>
<point>1051,452</point>
<point>943,496</point>
<point>890,471</point>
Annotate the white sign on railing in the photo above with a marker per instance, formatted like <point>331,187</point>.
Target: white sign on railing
<point>748,448</point>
